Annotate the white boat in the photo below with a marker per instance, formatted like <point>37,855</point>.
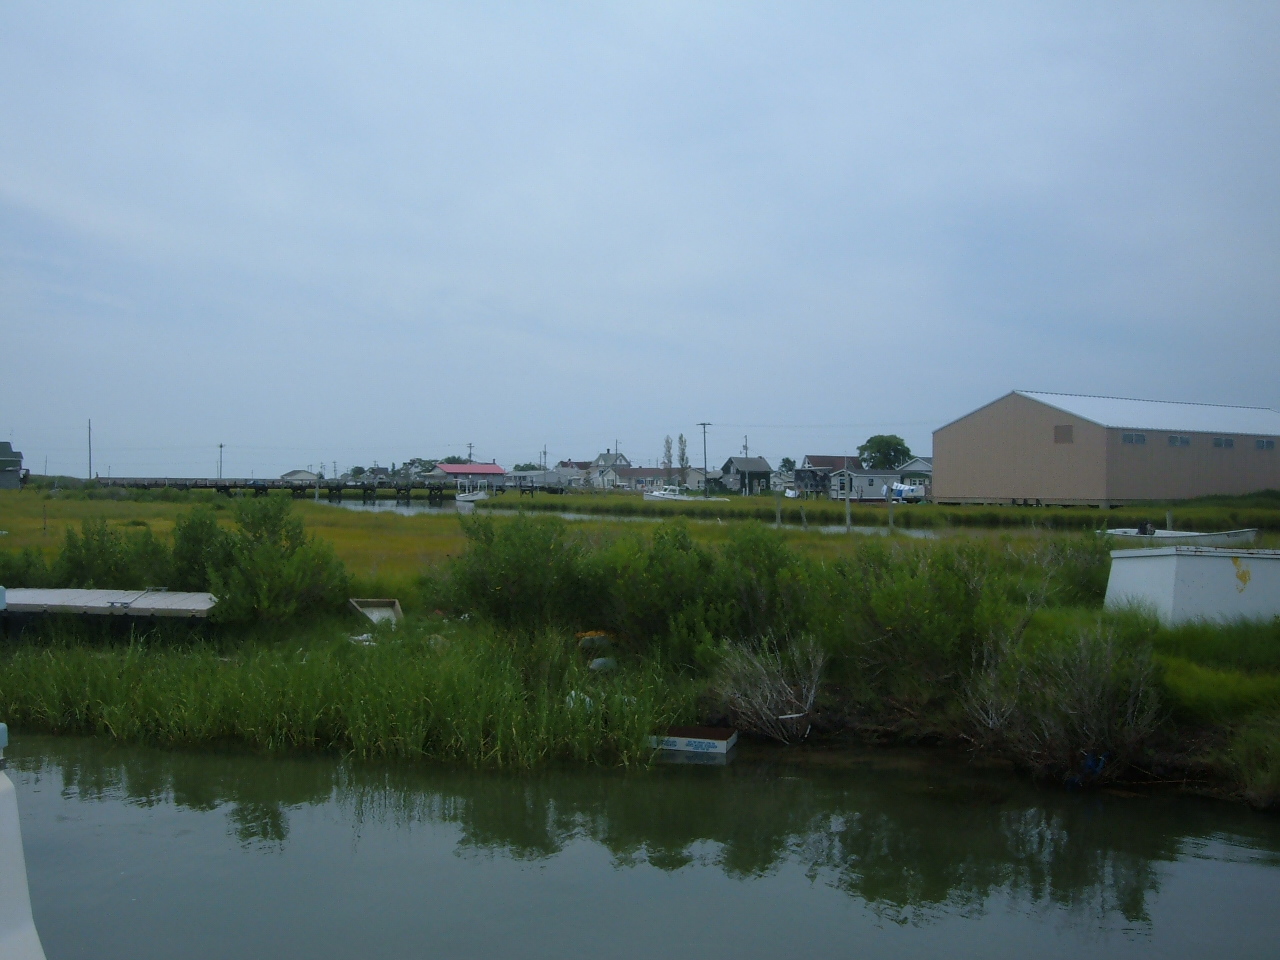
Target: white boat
<point>471,491</point>
<point>668,493</point>
<point>18,937</point>
<point>1133,536</point>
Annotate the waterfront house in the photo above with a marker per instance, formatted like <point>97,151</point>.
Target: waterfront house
<point>490,473</point>
<point>11,472</point>
<point>746,475</point>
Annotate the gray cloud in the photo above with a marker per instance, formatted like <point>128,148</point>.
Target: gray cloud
<point>334,232</point>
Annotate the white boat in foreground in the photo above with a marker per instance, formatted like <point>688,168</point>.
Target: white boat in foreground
<point>1132,536</point>
<point>18,937</point>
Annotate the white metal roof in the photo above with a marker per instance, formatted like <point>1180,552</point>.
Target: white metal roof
<point>1163,415</point>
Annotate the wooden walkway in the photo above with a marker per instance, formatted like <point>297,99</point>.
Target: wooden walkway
<point>109,603</point>
<point>331,489</point>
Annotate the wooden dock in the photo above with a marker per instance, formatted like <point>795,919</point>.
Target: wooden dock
<point>368,490</point>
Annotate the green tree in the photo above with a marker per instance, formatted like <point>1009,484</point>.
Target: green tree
<point>787,465</point>
<point>884,452</point>
<point>527,466</point>
<point>682,453</point>
<point>666,458</point>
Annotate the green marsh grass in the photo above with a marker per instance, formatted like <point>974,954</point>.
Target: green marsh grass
<point>472,696</point>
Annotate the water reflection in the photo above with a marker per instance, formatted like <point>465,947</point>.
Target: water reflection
<point>909,839</point>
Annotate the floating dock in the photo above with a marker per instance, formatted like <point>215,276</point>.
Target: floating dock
<point>696,740</point>
<point>108,603</point>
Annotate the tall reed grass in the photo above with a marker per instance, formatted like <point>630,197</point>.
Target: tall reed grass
<point>479,698</point>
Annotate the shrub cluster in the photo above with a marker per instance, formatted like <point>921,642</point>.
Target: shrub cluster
<point>901,627</point>
<point>265,568</point>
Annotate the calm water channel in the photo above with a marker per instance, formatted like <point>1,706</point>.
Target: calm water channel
<point>137,853</point>
<point>409,509</point>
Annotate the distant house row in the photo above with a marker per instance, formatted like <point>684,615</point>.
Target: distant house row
<point>845,478</point>
<point>828,476</point>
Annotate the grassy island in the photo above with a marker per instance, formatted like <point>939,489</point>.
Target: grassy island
<point>529,638</point>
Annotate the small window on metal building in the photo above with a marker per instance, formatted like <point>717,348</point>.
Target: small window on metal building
<point>1224,442</point>
<point>1265,444</point>
<point>1177,441</point>
<point>1064,434</point>
<point>1135,438</point>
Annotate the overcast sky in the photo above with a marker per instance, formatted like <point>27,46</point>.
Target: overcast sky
<point>373,232</point>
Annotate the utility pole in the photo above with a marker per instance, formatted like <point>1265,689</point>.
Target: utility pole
<point>469,446</point>
<point>706,477</point>
<point>746,448</point>
<point>219,461</point>
<point>91,449</point>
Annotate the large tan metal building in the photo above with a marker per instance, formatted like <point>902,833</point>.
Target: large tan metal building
<point>1066,449</point>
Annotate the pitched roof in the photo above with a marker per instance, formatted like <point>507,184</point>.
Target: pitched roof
<point>832,463</point>
<point>1162,414</point>
<point>462,469</point>
<point>749,464</point>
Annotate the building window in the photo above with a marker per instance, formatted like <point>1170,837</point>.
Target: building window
<point>1265,444</point>
<point>1226,443</point>
<point>1064,434</point>
<point>1177,441</point>
<point>1135,438</point>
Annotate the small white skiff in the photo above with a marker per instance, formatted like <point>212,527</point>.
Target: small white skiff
<point>668,493</point>
<point>1133,537</point>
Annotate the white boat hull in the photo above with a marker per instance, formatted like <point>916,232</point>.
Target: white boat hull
<point>1183,538</point>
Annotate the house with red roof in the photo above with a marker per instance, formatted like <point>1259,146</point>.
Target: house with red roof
<point>472,472</point>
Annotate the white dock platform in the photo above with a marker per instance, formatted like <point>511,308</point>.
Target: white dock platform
<point>111,603</point>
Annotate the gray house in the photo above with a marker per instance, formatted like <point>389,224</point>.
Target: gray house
<point>746,475</point>
<point>11,473</point>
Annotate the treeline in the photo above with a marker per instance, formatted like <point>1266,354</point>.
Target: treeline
<point>264,567</point>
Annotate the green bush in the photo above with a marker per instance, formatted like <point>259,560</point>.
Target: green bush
<point>24,568</point>
<point>107,558</point>
<point>201,550</point>
<point>526,573</point>
<point>275,571</point>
